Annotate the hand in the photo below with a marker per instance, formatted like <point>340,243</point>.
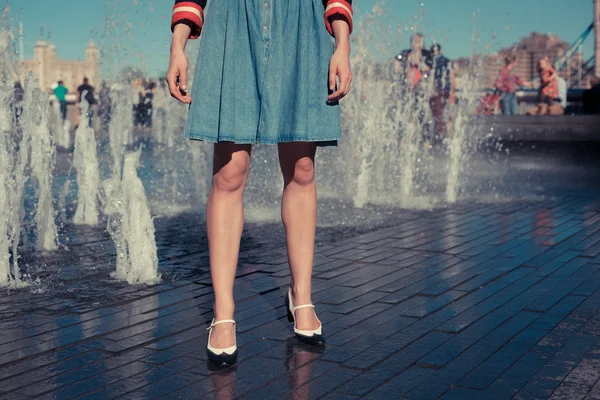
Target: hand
<point>339,72</point>
<point>177,76</point>
<point>452,98</point>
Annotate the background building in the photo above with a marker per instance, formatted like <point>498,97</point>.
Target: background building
<point>48,69</point>
<point>528,52</point>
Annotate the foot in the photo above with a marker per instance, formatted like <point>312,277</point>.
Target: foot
<point>305,317</point>
<point>222,336</point>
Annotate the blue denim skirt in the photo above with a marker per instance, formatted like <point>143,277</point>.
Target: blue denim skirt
<point>262,74</point>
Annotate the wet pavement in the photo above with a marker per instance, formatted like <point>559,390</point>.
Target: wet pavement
<point>478,300</point>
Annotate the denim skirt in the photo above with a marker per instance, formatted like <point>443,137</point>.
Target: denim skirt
<point>262,74</point>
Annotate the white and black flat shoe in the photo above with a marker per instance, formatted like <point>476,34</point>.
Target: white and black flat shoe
<point>313,337</point>
<point>222,357</point>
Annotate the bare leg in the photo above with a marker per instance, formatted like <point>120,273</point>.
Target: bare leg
<point>224,224</point>
<point>299,215</point>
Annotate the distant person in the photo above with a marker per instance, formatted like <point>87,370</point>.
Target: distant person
<point>507,84</point>
<point>443,90</point>
<point>549,101</point>
<point>17,102</point>
<point>146,104</point>
<point>85,91</point>
<point>136,95</point>
<point>60,92</point>
<point>415,62</point>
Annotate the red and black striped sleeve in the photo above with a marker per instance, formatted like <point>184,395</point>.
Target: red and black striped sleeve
<point>338,9</point>
<point>190,12</point>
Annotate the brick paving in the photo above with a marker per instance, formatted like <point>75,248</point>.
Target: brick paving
<point>473,301</point>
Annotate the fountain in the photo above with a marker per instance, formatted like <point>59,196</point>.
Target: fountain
<point>464,129</point>
<point>60,129</point>
<point>42,159</point>
<point>162,104</point>
<point>130,225</point>
<point>11,186</point>
<point>120,127</point>
<point>85,160</point>
<point>381,162</point>
<point>388,129</point>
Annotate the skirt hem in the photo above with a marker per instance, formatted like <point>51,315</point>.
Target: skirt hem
<point>212,139</point>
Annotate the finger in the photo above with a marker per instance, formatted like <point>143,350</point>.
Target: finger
<point>332,77</point>
<point>348,87</point>
<point>172,83</point>
<point>183,82</point>
<point>339,93</point>
<point>173,88</point>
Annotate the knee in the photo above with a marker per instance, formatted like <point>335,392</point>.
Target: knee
<point>304,172</point>
<point>231,177</point>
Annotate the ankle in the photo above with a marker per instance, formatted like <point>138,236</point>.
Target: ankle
<point>301,295</point>
<point>223,310</point>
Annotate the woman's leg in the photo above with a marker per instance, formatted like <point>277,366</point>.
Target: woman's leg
<point>504,103</point>
<point>514,105</point>
<point>224,224</point>
<point>299,215</point>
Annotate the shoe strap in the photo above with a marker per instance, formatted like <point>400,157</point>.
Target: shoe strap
<point>223,321</point>
<point>304,306</point>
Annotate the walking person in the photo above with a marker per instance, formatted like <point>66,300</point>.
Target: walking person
<point>549,100</point>
<point>16,104</point>
<point>266,73</point>
<point>136,96</point>
<point>414,63</point>
<point>147,98</point>
<point>443,91</point>
<point>60,92</point>
<point>85,91</point>
<point>507,85</point>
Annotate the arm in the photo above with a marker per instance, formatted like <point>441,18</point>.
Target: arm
<point>336,10</point>
<point>519,81</point>
<point>553,76</point>
<point>339,66</point>
<point>178,64</point>
<point>190,13</point>
<point>338,21</point>
<point>522,83</point>
<point>186,23</point>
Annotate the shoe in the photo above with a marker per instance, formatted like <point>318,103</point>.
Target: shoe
<point>221,357</point>
<point>313,337</point>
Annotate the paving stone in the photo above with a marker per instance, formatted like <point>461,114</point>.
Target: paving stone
<point>509,383</point>
<point>461,393</point>
<point>301,369</point>
<point>549,376</point>
<point>162,387</point>
<point>393,364</point>
<point>466,318</point>
<point>443,379</point>
<point>401,383</point>
<point>323,384</point>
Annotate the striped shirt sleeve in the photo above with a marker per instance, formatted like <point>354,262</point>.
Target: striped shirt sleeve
<point>340,9</point>
<point>190,12</point>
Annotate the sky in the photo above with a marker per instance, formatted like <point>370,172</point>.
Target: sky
<point>136,32</point>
